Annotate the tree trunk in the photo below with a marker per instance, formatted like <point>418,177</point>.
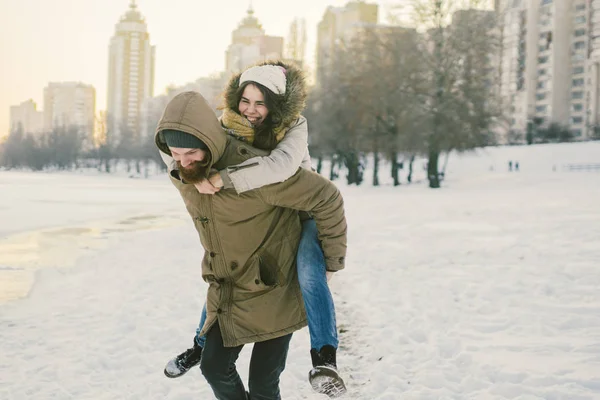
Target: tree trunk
<point>395,168</point>
<point>352,163</point>
<point>529,136</point>
<point>410,168</point>
<point>319,164</point>
<point>432,169</point>
<point>375,168</point>
<point>351,166</point>
<point>332,174</point>
<point>434,153</point>
<point>445,165</point>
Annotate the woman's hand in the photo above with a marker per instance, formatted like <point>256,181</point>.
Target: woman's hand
<point>215,180</point>
<point>205,187</point>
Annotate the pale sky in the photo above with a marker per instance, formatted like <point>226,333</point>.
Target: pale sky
<point>45,41</point>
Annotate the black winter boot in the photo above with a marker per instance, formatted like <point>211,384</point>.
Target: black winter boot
<point>181,364</point>
<point>324,376</point>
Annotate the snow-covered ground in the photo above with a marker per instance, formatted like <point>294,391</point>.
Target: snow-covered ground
<point>50,220</point>
<point>485,289</point>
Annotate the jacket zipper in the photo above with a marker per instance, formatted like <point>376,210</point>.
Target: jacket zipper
<point>204,222</point>
<point>220,248</point>
<point>226,269</point>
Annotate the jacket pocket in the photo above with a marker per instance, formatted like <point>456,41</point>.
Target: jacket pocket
<point>268,269</point>
<point>251,280</point>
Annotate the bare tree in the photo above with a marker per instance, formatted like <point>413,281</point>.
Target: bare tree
<point>337,118</point>
<point>60,148</point>
<point>12,149</point>
<point>400,92</point>
<point>64,144</point>
<point>458,99</point>
<point>127,149</point>
<point>296,43</point>
<point>387,61</point>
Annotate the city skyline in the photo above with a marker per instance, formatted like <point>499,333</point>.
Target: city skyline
<point>68,40</point>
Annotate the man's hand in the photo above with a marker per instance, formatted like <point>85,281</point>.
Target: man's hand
<point>215,180</point>
<point>329,275</point>
<point>205,187</point>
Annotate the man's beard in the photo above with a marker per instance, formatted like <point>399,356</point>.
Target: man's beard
<point>195,172</point>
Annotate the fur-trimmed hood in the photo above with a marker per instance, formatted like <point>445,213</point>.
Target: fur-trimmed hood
<point>294,99</point>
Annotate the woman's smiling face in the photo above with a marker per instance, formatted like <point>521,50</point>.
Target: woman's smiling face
<point>252,105</point>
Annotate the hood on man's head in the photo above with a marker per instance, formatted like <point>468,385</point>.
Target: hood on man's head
<point>175,138</point>
<point>190,113</point>
<point>294,96</point>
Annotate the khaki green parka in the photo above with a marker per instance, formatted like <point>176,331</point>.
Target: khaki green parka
<point>251,239</point>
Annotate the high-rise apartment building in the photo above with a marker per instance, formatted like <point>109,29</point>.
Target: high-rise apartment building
<point>512,67</point>
<point>587,30</point>
<point>130,75</point>
<point>250,44</point>
<point>338,25</point>
<point>70,105</point>
<point>27,118</point>
<point>577,33</point>
<point>548,65</point>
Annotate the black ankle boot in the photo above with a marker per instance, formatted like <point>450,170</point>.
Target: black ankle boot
<point>324,376</point>
<point>181,364</point>
<point>326,356</point>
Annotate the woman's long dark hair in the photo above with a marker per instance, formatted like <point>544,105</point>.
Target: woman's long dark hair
<point>264,135</point>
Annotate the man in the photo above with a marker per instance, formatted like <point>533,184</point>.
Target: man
<point>250,242</point>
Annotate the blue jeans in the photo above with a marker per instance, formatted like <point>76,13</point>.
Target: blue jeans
<point>318,302</point>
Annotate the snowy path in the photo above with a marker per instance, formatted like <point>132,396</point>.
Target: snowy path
<point>490,292</point>
<point>487,289</point>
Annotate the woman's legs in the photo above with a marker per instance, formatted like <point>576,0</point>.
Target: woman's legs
<point>182,363</point>
<point>318,301</point>
<point>201,340</point>
<point>320,313</point>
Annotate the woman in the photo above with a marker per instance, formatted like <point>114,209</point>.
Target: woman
<point>263,106</point>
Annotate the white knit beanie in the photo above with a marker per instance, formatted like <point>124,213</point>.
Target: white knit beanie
<point>270,76</point>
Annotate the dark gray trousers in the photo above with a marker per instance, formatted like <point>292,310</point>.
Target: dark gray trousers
<point>266,365</point>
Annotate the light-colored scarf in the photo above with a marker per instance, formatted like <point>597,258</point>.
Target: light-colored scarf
<point>241,128</point>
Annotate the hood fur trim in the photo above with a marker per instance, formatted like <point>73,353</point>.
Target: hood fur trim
<point>294,99</point>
